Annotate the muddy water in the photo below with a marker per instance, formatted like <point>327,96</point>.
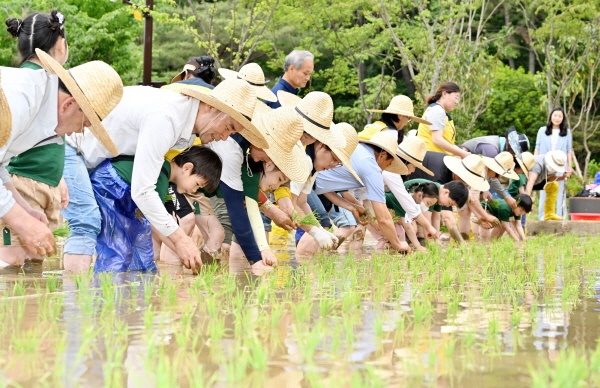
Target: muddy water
<point>83,334</point>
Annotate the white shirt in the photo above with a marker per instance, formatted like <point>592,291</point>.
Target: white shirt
<point>33,99</point>
<point>396,185</point>
<point>232,156</point>
<point>554,138</point>
<point>146,123</point>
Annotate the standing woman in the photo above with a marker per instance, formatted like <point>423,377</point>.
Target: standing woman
<point>555,136</point>
<point>440,136</point>
<point>37,173</point>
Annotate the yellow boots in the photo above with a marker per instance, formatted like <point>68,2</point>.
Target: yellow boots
<point>551,189</point>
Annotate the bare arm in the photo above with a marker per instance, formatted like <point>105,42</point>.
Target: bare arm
<point>510,231</point>
<point>386,227</point>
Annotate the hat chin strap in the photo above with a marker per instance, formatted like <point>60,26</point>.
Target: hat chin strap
<point>469,170</point>
<point>501,166</point>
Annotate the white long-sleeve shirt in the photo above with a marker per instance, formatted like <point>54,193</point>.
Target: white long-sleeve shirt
<point>146,123</point>
<point>33,99</point>
<point>396,185</point>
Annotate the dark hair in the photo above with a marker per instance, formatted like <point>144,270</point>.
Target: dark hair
<point>448,87</point>
<point>459,193</point>
<point>390,118</point>
<point>379,150</point>
<point>524,201</point>
<point>429,189</point>
<point>38,30</point>
<point>563,126</point>
<point>206,164</point>
<point>205,68</point>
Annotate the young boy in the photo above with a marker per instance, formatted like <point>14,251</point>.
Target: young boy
<point>125,239</point>
<point>510,219</point>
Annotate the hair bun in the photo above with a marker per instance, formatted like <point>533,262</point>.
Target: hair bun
<point>14,26</point>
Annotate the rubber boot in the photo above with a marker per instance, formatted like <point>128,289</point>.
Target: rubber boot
<point>551,189</point>
<point>278,236</point>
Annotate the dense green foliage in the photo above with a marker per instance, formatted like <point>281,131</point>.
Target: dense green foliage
<point>514,59</point>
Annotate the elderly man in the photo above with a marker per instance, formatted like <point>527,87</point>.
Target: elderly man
<point>38,106</point>
<point>298,68</point>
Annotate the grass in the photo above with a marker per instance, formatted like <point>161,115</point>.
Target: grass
<point>335,320</point>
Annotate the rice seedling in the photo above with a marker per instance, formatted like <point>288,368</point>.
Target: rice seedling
<point>62,231</point>
<point>310,219</point>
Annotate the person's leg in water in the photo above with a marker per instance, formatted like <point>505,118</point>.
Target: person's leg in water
<point>220,210</point>
<point>82,214</point>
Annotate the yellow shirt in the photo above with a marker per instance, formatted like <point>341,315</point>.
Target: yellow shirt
<point>371,129</point>
<point>449,134</point>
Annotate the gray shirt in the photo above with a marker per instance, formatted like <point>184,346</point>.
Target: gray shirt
<point>539,168</point>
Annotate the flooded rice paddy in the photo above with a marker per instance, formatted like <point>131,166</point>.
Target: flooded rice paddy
<point>476,315</point>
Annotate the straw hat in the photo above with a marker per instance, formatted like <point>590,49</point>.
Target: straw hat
<point>5,117</point>
<point>347,132</point>
<point>470,169</point>
<point>316,109</point>
<point>413,150</point>
<point>526,161</point>
<point>401,105</point>
<point>388,141</point>
<point>235,98</point>
<point>253,74</point>
<point>556,161</point>
<point>95,86</point>
<point>503,164</point>
<point>181,75</point>
<point>283,129</point>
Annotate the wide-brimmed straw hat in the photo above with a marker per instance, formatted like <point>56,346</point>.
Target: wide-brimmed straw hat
<point>253,74</point>
<point>503,164</point>
<point>348,132</point>
<point>401,105</point>
<point>526,161</point>
<point>283,129</point>
<point>316,110</point>
<point>388,141</point>
<point>5,117</point>
<point>470,169</point>
<point>556,161</point>
<point>95,86</point>
<point>235,98</point>
<point>181,75</point>
<point>413,150</point>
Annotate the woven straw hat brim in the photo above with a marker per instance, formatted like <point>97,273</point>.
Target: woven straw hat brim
<point>181,75</point>
<point>5,117</point>
<point>345,153</point>
<point>262,91</point>
<point>397,166</point>
<point>526,166</point>
<point>102,75</point>
<point>324,135</point>
<point>493,165</point>
<point>250,132</point>
<point>290,161</point>
<point>474,181</point>
<point>552,164</point>
<point>401,112</point>
<point>405,154</point>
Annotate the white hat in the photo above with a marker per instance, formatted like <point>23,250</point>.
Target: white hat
<point>503,164</point>
<point>413,150</point>
<point>388,141</point>
<point>253,74</point>
<point>556,161</point>
<point>348,132</point>
<point>401,105</point>
<point>235,98</point>
<point>95,86</point>
<point>470,169</point>
<point>316,110</point>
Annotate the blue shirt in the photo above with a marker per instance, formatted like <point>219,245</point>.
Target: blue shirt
<point>366,167</point>
<point>281,85</point>
<point>196,81</point>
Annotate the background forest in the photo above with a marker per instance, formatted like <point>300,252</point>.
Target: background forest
<point>514,59</point>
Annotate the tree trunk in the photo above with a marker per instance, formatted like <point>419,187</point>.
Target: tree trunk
<point>531,61</point>
<point>408,81</point>
<point>511,39</point>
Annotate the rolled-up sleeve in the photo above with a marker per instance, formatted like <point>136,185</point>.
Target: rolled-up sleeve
<point>155,138</point>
